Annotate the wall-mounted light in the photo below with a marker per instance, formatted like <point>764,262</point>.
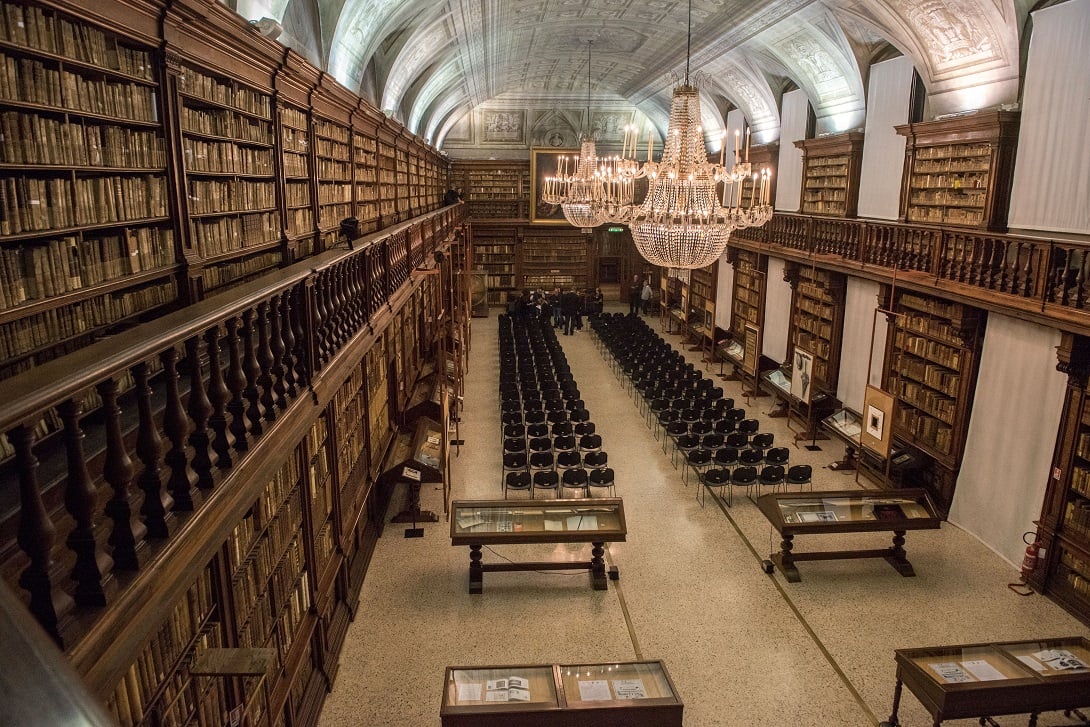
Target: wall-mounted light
<point>268,27</point>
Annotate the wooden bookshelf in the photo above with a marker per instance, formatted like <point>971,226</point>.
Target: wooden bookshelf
<point>1064,525</point>
<point>700,307</point>
<point>228,156</point>
<point>747,301</point>
<point>817,320</point>
<point>932,355</point>
<point>958,171</point>
<point>830,174</point>
<point>86,239</point>
<point>387,177</point>
<point>494,189</point>
<point>295,156</point>
<point>553,261</point>
<point>496,257</point>
<point>332,144</point>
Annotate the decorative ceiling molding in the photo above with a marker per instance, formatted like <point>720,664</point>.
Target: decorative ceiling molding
<point>423,49</point>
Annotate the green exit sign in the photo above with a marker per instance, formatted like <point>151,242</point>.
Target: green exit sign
<point>615,229</point>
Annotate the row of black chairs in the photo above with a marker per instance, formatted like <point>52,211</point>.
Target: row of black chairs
<point>549,442</point>
<point>703,429</point>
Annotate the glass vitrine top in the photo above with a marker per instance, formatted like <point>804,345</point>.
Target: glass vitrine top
<point>615,682</point>
<point>552,516</point>
<point>818,508</point>
<point>971,664</point>
<point>846,423</point>
<point>526,685</point>
<point>780,379</point>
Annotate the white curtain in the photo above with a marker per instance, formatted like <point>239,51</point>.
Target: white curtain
<point>789,169</point>
<point>777,312</point>
<point>1052,170</point>
<point>724,293</point>
<point>884,149</point>
<point>1012,433</point>
<point>860,302</point>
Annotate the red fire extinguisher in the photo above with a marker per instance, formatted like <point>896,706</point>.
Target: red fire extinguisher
<point>1032,558</point>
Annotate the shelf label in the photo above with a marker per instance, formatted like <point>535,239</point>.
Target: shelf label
<point>410,474</point>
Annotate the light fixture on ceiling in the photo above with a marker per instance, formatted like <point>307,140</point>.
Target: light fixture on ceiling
<point>691,206</point>
<point>588,188</point>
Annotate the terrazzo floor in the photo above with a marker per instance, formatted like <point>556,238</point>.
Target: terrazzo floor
<point>742,647</point>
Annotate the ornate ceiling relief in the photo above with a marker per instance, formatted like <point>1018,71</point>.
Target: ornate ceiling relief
<point>418,53</point>
<point>954,33</point>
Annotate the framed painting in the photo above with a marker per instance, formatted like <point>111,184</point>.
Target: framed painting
<point>752,348</point>
<point>877,421</point>
<point>544,163</point>
<point>801,375</point>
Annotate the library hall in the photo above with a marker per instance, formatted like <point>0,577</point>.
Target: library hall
<point>544,363</point>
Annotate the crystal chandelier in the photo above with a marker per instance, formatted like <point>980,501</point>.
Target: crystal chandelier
<point>692,205</point>
<point>588,189</point>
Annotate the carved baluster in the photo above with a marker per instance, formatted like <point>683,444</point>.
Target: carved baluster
<point>253,372</point>
<point>1008,268</point>
<point>117,471</point>
<point>340,300</point>
<point>276,346</point>
<point>236,382</point>
<point>176,427</point>
<point>1080,282</point>
<point>149,448</point>
<point>321,320</point>
<point>299,329</point>
<point>265,360</point>
<point>219,395</point>
<point>995,269</point>
<point>36,533</point>
<point>333,325</point>
<point>355,292</point>
<point>1062,282</point>
<point>1027,280</point>
<point>80,498</point>
<point>288,336</point>
<point>200,408</point>
<point>972,260</point>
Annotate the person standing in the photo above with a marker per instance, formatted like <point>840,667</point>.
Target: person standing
<point>569,302</point>
<point>634,291</point>
<point>645,297</point>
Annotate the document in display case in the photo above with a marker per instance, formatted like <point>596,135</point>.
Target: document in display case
<point>847,511</point>
<point>620,694</point>
<point>986,680</point>
<point>477,523</point>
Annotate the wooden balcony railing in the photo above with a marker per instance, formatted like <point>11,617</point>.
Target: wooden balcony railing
<point>1044,278</point>
<point>115,444</point>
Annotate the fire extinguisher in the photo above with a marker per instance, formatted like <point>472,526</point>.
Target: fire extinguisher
<point>1032,558</point>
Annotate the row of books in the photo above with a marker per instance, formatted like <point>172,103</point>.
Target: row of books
<point>221,122</point>
<point>1078,575</point>
<point>331,149</point>
<point>936,376</point>
<point>52,326</point>
<point>934,403</point>
<point>323,545</point>
<point>925,429</point>
<point>332,193</point>
<point>26,79</point>
<point>266,625</point>
<point>229,195</point>
<point>1077,516</point>
<point>926,348</point>
<point>71,263</point>
<point>294,140</point>
<point>32,27</point>
<point>34,139</point>
<point>226,234</point>
<point>166,654</point>
<point>297,194</point>
<point>331,215</point>
<point>118,100</point>
<point>332,169</point>
<point>30,204</point>
<point>1080,480</point>
<point>224,93</point>
<point>296,165</point>
<point>300,221</point>
<point>234,271</point>
<point>328,130</point>
<point>294,117</point>
<point>279,547</point>
<point>225,158</point>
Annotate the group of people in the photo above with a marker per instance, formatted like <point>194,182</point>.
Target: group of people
<point>639,296</point>
<point>565,308</point>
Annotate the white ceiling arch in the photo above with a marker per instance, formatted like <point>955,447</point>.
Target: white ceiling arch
<point>429,59</point>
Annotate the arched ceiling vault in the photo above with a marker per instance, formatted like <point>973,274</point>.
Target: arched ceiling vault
<point>433,62</point>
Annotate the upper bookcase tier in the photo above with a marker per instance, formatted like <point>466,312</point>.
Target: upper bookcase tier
<point>830,179</point>
<point>958,170</point>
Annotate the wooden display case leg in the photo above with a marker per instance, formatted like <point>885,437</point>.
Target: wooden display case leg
<point>785,562</point>
<point>598,567</point>
<point>893,719</point>
<point>846,464</point>
<point>476,572</point>
<point>896,557</point>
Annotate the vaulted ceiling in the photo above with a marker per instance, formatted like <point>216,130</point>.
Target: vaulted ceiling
<point>430,63</point>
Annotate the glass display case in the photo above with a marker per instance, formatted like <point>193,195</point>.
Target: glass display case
<point>560,695</point>
<point>847,511</point>
<point>984,680</point>
<point>477,523</point>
